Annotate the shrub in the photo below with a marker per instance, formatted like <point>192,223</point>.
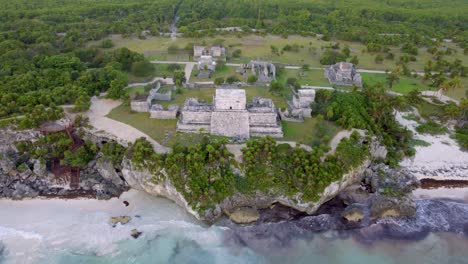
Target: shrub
<point>431,128</point>
<point>252,79</point>
<point>142,68</point>
<point>232,79</point>
<point>237,53</point>
<point>107,44</point>
<point>219,80</point>
<point>173,67</point>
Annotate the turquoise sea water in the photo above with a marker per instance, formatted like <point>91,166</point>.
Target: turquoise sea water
<point>57,231</point>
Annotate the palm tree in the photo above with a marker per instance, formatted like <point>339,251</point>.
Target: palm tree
<point>443,87</point>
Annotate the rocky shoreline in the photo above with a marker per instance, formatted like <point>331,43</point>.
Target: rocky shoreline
<point>373,201</point>
<point>22,177</point>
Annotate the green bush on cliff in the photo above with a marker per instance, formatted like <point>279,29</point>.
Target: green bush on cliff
<point>371,109</point>
<point>269,167</point>
<point>50,146</point>
<point>114,153</point>
<point>204,173</point>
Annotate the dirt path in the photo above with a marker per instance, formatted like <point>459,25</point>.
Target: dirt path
<point>342,134</point>
<point>97,118</point>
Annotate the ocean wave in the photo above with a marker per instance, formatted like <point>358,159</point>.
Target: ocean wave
<point>9,232</point>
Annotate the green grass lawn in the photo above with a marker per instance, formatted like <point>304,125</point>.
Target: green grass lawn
<point>310,132</point>
<point>404,85</point>
<point>205,94</point>
<point>263,91</point>
<point>134,90</point>
<point>224,72</point>
<point>309,77</point>
<point>254,46</point>
<point>163,131</point>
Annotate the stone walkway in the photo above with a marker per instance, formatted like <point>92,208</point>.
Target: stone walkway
<point>342,134</point>
<point>440,96</point>
<point>166,81</point>
<point>97,118</point>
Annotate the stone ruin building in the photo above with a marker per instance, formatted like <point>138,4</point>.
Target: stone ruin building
<point>143,103</point>
<point>343,73</point>
<point>265,71</point>
<point>300,106</point>
<point>216,52</point>
<point>206,58</point>
<point>157,111</point>
<point>230,116</point>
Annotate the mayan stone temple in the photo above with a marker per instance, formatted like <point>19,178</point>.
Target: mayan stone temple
<point>343,73</point>
<point>231,116</point>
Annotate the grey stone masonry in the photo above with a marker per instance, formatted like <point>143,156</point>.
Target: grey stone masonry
<point>300,106</point>
<point>230,116</point>
<point>216,52</point>
<point>343,73</point>
<point>157,111</point>
<point>140,103</point>
<point>195,116</point>
<point>230,123</point>
<point>265,71</point>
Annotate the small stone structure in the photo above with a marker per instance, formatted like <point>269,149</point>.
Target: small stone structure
<point>206,58</point>
<point>216,52</point>
<point>195,116</point>
<point>157,111</point>
<point>142,103</point>
<point>343,73</point>
<point>206,63</point>
<point>299,107</point>
<point>230,116</point>
<point>265,71</point>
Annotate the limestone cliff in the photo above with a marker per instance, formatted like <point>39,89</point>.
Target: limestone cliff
<point>141,179</point>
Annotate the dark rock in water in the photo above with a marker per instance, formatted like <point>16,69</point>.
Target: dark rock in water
<point>382,206</point>
<point>354,213</point>
<point>430,216</point>
<point>380,177</point>
<point>2,251</point>
<point>126,203</point>
<point>465,229</point>
<point>279,212</point>
<point>135,233</point>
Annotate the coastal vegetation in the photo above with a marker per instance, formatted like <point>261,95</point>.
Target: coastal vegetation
<point>204,173</point>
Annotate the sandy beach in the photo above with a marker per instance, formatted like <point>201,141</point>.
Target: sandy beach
<point>442,160</point>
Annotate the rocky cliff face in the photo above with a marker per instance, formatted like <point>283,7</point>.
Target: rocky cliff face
<point>141,179</point>
<point>23,177</point>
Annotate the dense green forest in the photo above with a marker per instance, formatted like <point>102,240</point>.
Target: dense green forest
<point>45,61</point>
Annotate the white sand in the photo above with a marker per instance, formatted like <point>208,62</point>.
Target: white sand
<point>449,193</point>
<point>97,118</point>
<point>443,159</point>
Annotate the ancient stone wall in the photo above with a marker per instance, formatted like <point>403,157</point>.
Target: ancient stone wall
<point>262,131</point>
<point>163,114</point>
<point>263,119</point>
<point>199,117</point>
<point>140,106</point>
<point>230,124</point>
